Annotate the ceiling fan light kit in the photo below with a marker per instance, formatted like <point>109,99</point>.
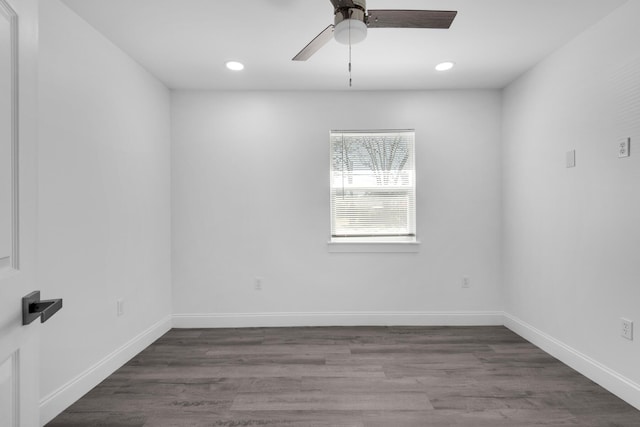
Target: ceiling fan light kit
<point>350,31</point>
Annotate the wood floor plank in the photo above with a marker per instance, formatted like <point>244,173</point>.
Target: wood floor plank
<point>261,419</point>
<point>336,401</point>
<point>349,377</point>
<point>304,349</point>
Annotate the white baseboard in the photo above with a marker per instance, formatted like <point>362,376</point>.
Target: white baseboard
<point>245,320</point>
<point>60,399</point>
<point>611,380</point>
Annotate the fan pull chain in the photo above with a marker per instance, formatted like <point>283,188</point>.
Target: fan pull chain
<point>349,66</point>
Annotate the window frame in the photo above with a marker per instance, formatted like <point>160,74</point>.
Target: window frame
<point>375,243</point>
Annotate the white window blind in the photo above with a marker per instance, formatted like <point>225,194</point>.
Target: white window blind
<point>373,185</point>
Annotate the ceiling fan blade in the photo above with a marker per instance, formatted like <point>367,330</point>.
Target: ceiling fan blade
<point>410,18</point>
<point>315,44</point>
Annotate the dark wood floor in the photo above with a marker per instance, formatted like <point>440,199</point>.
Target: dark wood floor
<point>364,376</point>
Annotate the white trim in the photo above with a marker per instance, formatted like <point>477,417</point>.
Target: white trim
<point>12,17</point>
<point>618,384</point>
<point>15,145</point>
<point>5,263</point>
<point>375,318</point>
<point>60,399</point>
<point>373,247</point>
<point>12,365</point>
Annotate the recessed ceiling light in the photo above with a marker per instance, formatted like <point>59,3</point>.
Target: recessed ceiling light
<point>444,66</point>
<point>234,65</point>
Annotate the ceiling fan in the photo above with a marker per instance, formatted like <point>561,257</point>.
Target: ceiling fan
<point>352,20</point>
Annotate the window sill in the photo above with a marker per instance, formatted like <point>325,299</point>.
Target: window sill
<point>373,247</point>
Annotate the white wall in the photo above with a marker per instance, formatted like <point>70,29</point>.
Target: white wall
<point>104,205</point>
<point>250,198</point>
<point>250,185</point>
<point>572,236</point>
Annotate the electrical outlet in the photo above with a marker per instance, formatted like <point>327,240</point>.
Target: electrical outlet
<point>626,330</point>
<point>571,158</point>
<point>120,306</point>
<point>623,147</point>
<point>466,282</point>
<point>257,283</point>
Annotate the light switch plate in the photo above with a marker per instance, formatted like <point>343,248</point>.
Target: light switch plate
<point>571,159</point>
<point>623,147</point>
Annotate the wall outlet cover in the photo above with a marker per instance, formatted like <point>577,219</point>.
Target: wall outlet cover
<point>626,330</point>
<point>623,147</point>
<point>571,158</point>
<point>466,282</point>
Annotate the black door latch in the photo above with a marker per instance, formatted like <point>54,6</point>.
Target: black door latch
<point>33,307</point>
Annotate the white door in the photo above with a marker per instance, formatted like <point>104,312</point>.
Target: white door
<point>19,367</point>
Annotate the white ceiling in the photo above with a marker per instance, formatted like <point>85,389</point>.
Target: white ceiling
<point>185,43</point>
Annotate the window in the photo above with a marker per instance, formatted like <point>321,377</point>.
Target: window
<point>373,186</point>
